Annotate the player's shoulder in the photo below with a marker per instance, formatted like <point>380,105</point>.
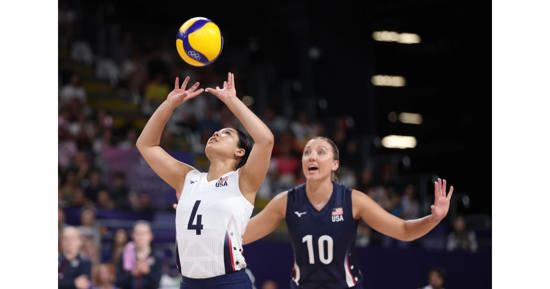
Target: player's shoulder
<point>193,173</point>
<point>296,190</point>
<point>282,196</point>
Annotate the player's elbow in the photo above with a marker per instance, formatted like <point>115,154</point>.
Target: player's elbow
<point>139,144</point>
<point>267,140</point>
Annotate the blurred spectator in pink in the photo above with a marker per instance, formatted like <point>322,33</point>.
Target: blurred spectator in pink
<point>139,266</point>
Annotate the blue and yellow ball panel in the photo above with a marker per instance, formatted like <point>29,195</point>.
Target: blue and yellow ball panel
<point>199,41</point>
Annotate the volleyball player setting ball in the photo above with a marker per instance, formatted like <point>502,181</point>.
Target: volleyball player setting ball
<point>214,206</point>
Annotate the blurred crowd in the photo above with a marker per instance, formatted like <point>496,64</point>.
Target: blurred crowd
<point>109,84</point>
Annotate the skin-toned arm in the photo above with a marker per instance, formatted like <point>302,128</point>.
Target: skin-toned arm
<point>267,220</point>
<point>253,172</point>
<point>165,166</point>
<point>405,230</point>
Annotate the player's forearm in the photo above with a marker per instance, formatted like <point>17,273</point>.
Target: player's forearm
<point>257,129</point>
<point>256,229</point>
<point>254,235</point>
<point>152,132</point>
<point>417,228</point>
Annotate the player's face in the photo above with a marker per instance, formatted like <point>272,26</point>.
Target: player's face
<point>318,160</point>
<point>223,142</point>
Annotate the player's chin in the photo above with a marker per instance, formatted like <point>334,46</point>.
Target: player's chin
<point>312,175</point>
<point>208,149</point>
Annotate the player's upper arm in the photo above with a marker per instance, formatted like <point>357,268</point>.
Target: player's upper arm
<point>267,220</point>
<point>165,166</point>
<point>376,217</point>
<point>253,172</point>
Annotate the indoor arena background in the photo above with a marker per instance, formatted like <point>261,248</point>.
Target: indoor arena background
<point>355,73</point>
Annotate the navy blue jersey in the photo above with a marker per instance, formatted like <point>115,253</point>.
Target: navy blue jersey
<point>323,241</point>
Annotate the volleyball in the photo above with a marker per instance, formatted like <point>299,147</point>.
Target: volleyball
<point>199,41</point>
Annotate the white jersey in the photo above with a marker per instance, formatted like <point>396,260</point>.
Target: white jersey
<point>211,217</point>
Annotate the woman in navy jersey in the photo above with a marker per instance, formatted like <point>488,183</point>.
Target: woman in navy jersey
<point>322,218</point>
<point>214,206</point>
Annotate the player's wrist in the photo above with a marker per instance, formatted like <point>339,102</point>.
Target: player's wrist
<point>170,104</point>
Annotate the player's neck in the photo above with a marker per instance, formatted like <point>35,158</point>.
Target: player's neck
<point>219,168</point>
<point>319,191</point>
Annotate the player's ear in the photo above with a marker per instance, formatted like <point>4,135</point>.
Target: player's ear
<point>239,152</point>
<point>335,165</point>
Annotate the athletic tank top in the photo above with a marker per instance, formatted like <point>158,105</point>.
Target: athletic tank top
<point>211,217</point>
<point>323,241</point>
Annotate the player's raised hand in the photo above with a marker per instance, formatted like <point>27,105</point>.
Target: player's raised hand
<point>440,208</point>
<point>180,94</point>
<point>228,91</point>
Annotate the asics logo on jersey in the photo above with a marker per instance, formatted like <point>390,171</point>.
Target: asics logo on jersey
<point>299,214</point>
<point>222,182</point>
<point>192,181</point>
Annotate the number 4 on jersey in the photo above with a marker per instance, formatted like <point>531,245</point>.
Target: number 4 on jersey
<point>197,226</point>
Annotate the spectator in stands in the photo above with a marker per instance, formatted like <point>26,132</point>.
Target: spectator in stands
<point>302,128</point>
<point>69,185</point>
<point>88,225</point>
<point>409,203</point>
<point>104,277</point>
<point>60,225</point>
<point>72,91</point>
<point>461,238</point>
<point>119,190</point>
<point>78,198</point>
<point>74,271</point>
<point>93,185</point>
<point>119,242</point>
<point>60,219</point>
<point>104,200</point>
<point>436,279</point>
<point>138,266</point>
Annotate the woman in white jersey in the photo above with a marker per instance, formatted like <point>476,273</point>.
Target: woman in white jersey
<point>215,206</point>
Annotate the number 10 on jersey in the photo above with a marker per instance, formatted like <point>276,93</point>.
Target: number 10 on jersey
<point>325,248</point>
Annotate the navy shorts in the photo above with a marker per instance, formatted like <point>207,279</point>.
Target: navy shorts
<point>235,280</point>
